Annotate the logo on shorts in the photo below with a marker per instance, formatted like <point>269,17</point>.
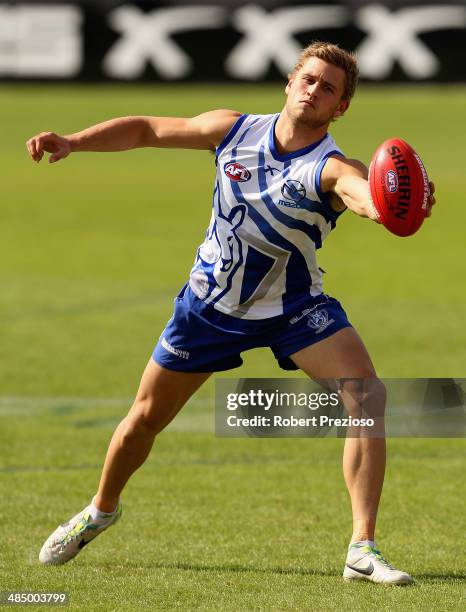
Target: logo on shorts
<point>319,320</point>
<point>175,351</point>
<point>236,172</point>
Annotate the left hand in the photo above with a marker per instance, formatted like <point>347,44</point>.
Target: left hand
<point>431,199</point>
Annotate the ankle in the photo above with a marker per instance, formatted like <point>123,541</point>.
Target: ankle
<point>363,529</point>
<point>362,537</point>
<point>361,542</point>
<point>107,506</point>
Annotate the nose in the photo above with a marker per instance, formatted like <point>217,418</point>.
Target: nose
<point>312,90</point>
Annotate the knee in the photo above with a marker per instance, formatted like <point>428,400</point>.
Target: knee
<point>375,388</point>
<point>143,420</point>
<point>377,396</point>
<point>365,396</point>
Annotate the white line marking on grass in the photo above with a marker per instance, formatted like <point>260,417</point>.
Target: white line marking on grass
<point>32,402</point>
<point>27,406</point>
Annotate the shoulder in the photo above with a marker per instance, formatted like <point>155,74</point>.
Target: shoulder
<point>255,127</point>
<point>216,124</point>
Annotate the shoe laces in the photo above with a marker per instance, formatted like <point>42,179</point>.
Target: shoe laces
<point>374,552</point>
<point>78,529</point>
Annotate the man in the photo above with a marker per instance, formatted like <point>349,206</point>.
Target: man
<point>281,184</point>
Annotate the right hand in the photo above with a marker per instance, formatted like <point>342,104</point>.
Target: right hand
<point>58,146</point>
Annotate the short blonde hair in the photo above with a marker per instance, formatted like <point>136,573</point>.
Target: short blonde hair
<point>332,54</point>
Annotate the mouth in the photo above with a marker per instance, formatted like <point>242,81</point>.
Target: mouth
<point>308,103</point>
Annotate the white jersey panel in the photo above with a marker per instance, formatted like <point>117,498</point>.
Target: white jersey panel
<point>269,217</point>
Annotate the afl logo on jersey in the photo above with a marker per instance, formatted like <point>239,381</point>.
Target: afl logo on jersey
<point>293,191</point>
<point>236,172</point>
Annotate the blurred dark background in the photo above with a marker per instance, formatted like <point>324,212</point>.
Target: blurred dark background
<point>215,40</point>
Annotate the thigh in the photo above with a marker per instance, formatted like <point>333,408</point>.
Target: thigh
<point>162,393</point>
<point>341,355</point>
<point>341,362</point>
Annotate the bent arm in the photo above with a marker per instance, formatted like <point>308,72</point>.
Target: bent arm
<point>346,180</point>
<point>204,131</point>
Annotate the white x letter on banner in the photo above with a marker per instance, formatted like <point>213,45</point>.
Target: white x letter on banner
<point>146,38</point>
<point>268,37</point>
<point>393,36</point>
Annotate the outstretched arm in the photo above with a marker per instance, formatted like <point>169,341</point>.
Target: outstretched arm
<point>346,182</point>
<point>204,131</point>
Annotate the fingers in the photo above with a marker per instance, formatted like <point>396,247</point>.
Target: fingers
<point>431,199</point>
<point>59,154</point>
<point>35,149</point>
<point>46,141</point>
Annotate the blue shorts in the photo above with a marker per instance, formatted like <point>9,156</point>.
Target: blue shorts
<point>200,339</point>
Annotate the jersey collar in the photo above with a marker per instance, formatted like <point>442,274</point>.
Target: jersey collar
<point>287,156</point>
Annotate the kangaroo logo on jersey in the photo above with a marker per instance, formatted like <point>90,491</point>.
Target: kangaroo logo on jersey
<point>221,251</point>
<point>236,172</point>
<point>293,191</point>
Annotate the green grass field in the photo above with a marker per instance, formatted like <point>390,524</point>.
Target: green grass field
<point>93,253</point>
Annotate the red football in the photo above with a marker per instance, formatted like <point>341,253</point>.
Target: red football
<point>399,187</point>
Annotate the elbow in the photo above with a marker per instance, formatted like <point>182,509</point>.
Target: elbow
<point>145,135</point>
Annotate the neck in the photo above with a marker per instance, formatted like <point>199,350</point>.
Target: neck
<point>292,135</point>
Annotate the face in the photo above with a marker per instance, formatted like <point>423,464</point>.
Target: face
<point>314,93</point>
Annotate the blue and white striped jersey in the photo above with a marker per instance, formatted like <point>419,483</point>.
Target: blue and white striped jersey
<point>269,217</point>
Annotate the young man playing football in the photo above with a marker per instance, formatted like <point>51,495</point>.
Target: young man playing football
<point>281,185</point>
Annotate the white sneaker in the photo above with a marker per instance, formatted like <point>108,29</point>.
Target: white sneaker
<point>68,539</point>
<point>365,562</point>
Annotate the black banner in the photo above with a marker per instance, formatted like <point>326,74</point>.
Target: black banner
<point>240,41</point>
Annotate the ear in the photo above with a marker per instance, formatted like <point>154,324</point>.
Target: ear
<point>289,84</point>
<point>341,109</point>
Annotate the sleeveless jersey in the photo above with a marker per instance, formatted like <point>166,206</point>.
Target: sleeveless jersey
<point>269,217</point>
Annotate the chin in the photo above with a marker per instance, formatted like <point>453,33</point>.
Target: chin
<point>313,123</point>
